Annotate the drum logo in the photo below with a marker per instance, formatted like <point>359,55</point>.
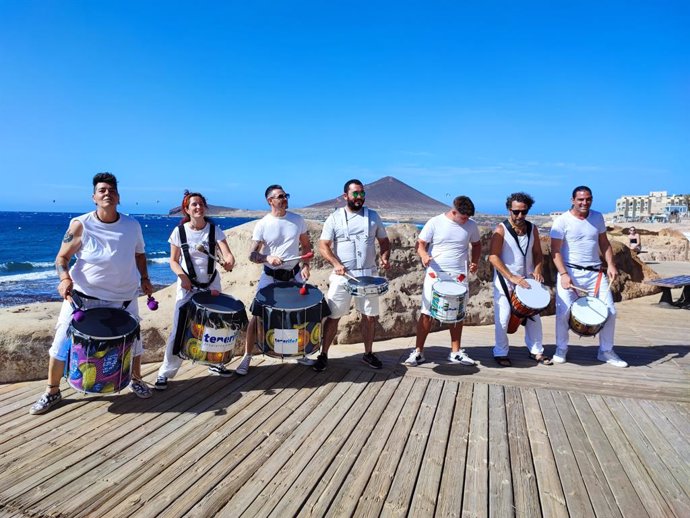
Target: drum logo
<point>286,341</point>
<point>218,340</point>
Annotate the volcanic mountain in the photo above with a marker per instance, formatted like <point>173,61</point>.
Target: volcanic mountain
<point>389,194</point>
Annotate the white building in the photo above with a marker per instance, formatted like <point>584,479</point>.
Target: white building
<point>657,205</point>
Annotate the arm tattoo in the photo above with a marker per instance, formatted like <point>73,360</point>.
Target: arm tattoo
<point>68,237</point>
<point>61,268</point>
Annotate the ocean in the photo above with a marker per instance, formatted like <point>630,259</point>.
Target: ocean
<point>32,240</point>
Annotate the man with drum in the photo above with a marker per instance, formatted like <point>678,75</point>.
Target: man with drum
<point>348,243</point>
<point>278,235</point>
<point>578,237</point>
<point>443,248</point>
<point>515,253</point>
<point>110,267</point>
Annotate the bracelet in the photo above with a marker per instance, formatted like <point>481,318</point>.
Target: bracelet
<point>66,279</point>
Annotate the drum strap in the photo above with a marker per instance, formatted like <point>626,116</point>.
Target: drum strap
<point>282,274</point>
<point>181,325</point>
<point>191,272</point>
<point>80,295</point>
<point>598,285</point>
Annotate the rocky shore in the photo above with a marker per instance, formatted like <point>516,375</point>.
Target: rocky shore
<point>28,329</point>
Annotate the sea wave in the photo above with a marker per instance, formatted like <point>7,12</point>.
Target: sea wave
<point>24,266</point>
<point>158,260</point>
<point>33,276</point>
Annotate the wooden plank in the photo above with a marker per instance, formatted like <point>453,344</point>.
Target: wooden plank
<point>662,477</point>
<point>453,477</point>
<point>257,470</point>
<point>652,500</point>
<point>402,488</point>
<point>674,413</point>
<point>624,492</point>
<point>500,478</point>
<point>600,495</point>
<point>475,502</point>
<point>374,494</point>
<point>425,494</point>
<point>571,479</point>
<point>348,496</point>
<point>665,423</point>
<point>366,437</point>
<point>525,493</point>
<point>341,420</point>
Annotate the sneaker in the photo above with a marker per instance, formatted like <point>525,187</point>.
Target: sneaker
<point>461,357</point>
<point>161,383</point>
<point>321,363</point>
<point>45,403</point>
<point>219,370</point>
<point>559,356</point>
<point>243,368</point>
<point>371,360</point>
<point>611,358</point>
<point>305,360</point>
<point>415,358</point>
<point>140,388</point>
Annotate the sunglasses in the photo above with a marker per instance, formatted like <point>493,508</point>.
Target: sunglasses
<point>358,194</point>
<point>285,196</point>
<point>518,212</point>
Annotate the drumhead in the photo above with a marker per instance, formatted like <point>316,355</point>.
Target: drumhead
<point>105,323</point>
<point>368,280</point>
<point>449,288</point>
<point>217,304</point>
<point>590,311</point>
<point>287,296</point>
<point>536,297</point>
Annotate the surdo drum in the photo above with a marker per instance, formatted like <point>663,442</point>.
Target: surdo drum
<point>290,317</point>
<point>448,301</point>
<point>100,357</point>
<point>527,302</point>
<point>366,286</point>
<point>213,323</point>
<point>588,315</point>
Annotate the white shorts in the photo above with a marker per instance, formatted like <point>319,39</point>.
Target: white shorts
<point>339,299</point>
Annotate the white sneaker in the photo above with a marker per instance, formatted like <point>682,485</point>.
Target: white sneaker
<point>305,360</point>
<point>559,356</point>
<point>415,358</point>
<point>243,368</point>
<point>461,357</point>
<point>611,358</point>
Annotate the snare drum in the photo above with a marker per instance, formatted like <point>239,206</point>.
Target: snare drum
<point>366,285</point>
<point>588,315</point>
<point>448,301</point>
<point>527,302</point>
<point>291,320</point>
<point>100,357</point>
<point>213,323</point>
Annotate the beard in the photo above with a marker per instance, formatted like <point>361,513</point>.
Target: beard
<point>355,205</point>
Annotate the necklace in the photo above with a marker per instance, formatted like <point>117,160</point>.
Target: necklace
<point>117,216</point>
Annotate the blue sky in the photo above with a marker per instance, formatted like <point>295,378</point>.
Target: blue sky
<point>476,98</point>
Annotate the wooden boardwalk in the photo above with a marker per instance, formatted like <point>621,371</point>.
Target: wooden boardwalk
<point>580,439</point>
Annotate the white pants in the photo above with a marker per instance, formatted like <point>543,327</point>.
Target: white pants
<point>564,299</point>
<point>61,343</point>
<point>533,331</point>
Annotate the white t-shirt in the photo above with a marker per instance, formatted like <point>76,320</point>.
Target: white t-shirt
<point>448,243</point>
<point>105,266</point>
<point>352,241</point>
<point>580,237</point>
<point>195,237</point>
<point>280,236</point>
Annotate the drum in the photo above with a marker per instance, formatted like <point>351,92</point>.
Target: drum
<point>213,323</point>
<point>588,315</point>
<point>290,318</point>
<point>100,357</point>
<point>527,302</point>
<point>448,301</point>
<point>366,285</point>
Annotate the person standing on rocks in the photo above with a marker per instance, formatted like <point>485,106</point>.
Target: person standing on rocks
<point>515,253</point>
<point>279,234</point>
<point>578,237</point>
<point>109,269</point>
<point>443,246</point>
<point>348,243</point>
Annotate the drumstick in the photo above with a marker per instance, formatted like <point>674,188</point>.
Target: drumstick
<point>351,277</point>
<point>308,255</point>
<point>201,248</point>
<point>581,290</point>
